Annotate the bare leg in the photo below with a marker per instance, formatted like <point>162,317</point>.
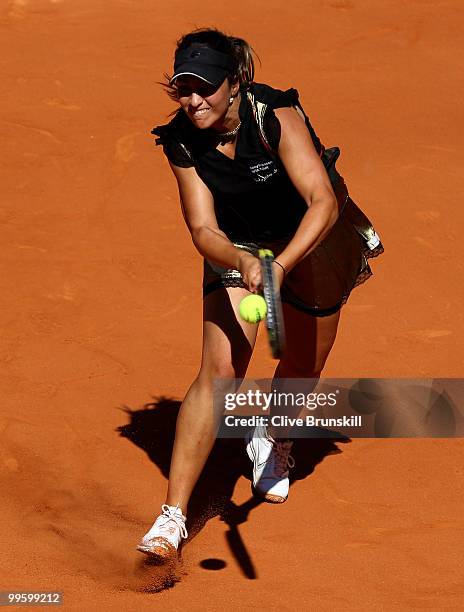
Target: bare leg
<point>309,341</point>
<point>228,344</point>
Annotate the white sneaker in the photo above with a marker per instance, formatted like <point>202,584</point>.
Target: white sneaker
<point>271,460</point>
<point>164,537</point>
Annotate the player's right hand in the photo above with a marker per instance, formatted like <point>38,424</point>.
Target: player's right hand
<point>249,267</point>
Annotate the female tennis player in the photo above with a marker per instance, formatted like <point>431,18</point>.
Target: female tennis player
<point>252,173</point>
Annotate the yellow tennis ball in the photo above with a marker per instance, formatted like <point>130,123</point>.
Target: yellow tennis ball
<point>252,308</point>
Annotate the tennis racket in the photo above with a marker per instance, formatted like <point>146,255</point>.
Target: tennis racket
<point>271,293</point>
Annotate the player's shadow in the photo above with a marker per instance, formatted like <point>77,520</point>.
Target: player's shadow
<point>152,429</point>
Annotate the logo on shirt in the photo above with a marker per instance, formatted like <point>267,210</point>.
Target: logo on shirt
<point>262,171</point>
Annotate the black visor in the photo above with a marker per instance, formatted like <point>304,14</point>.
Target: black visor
<point>202,62</point>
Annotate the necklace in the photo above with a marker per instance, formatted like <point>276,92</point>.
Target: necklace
<point>231,133</point>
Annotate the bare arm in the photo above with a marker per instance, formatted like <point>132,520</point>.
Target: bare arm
<point>198,211</point>
<point>307,172</point>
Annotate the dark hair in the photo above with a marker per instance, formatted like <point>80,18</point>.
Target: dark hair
<point>238,49</point>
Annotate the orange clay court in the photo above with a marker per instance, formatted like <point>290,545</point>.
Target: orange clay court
<point>101,309</point>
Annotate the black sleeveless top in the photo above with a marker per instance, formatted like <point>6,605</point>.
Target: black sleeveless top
<point>254,198</point>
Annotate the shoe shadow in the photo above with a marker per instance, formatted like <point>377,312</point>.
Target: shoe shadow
<point>152,428</point>
<point>309,452</point>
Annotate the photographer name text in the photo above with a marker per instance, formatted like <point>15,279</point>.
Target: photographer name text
<point>285,421</point>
